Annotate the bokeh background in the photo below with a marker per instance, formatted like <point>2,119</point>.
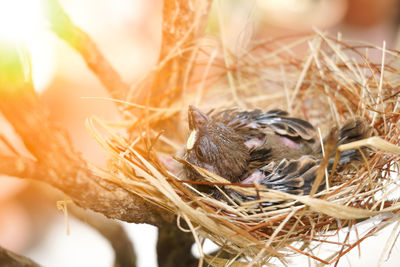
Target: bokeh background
<point>129,34</point>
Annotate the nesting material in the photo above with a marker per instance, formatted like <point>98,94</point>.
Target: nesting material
<point>318,78</point>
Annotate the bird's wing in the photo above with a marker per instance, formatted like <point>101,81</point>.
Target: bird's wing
<point>353,130</point>
<point>251,122</point>
<point>290,176</point>
<point>293,176</point>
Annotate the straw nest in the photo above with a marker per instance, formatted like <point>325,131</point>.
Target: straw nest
<point>318,78</point>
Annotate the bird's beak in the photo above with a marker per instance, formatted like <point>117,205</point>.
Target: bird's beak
<point>196,118</point>
<point>191,140</point>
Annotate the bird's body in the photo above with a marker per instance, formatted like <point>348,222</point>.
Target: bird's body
<point>277,151</point>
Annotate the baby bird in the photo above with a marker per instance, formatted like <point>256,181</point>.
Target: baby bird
<point>277,151</point>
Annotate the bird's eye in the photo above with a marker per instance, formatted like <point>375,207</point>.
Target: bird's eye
<point>199,152</point>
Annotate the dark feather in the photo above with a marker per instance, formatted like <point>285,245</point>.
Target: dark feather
<point>275,120</point>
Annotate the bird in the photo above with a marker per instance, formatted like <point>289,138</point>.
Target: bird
<point>271,148</point>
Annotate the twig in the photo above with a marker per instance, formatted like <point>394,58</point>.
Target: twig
<point>65,29</point>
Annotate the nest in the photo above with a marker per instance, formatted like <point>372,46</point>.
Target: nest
<point>318,78</point>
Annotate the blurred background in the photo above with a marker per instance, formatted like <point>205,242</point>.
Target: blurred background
<point>128,32</point>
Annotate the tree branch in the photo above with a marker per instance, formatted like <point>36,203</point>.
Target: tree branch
<point>183,23</point>
<point>10,259</point>
<point>65,29</point>
<point>57,162</point>
<point>174,247</point>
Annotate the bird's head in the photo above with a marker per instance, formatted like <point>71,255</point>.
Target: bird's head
<point>215,146</point>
